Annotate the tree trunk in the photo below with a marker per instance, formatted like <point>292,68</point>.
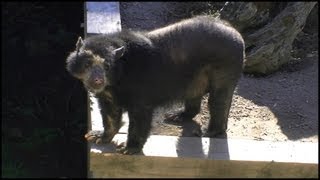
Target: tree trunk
<point>268,29</point>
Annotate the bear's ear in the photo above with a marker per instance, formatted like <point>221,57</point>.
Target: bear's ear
<point>118,53</point>
<point>79,44</point>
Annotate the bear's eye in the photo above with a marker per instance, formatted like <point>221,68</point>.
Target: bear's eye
<point>87,64</point>
<point>106,66</point>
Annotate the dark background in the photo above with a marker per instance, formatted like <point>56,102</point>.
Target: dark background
<point>44,109</point>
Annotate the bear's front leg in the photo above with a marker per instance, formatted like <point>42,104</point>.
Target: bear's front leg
<point>139,128</point>
<point>111,119</point>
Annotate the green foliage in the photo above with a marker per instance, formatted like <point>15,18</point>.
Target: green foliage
<point>211,12</point>
<point>40,100</point>
<point>11,168</point>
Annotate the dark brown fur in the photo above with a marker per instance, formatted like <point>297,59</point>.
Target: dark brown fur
<point>141,71</point>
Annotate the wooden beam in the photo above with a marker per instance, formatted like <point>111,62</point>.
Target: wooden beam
<point>124,166</point>
<point>172,156</point>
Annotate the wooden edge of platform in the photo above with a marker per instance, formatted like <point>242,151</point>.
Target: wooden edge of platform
<point>172,156</point>
<point>130,166</point>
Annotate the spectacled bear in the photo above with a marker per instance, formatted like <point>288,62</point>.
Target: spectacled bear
<point>139,71</point>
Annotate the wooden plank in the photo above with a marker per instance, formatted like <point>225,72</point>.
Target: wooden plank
<point>171,156</point>
<point>124,166</point>
<point>221,149</point>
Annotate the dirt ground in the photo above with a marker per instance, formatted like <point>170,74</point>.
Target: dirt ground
<point>278,107</point>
